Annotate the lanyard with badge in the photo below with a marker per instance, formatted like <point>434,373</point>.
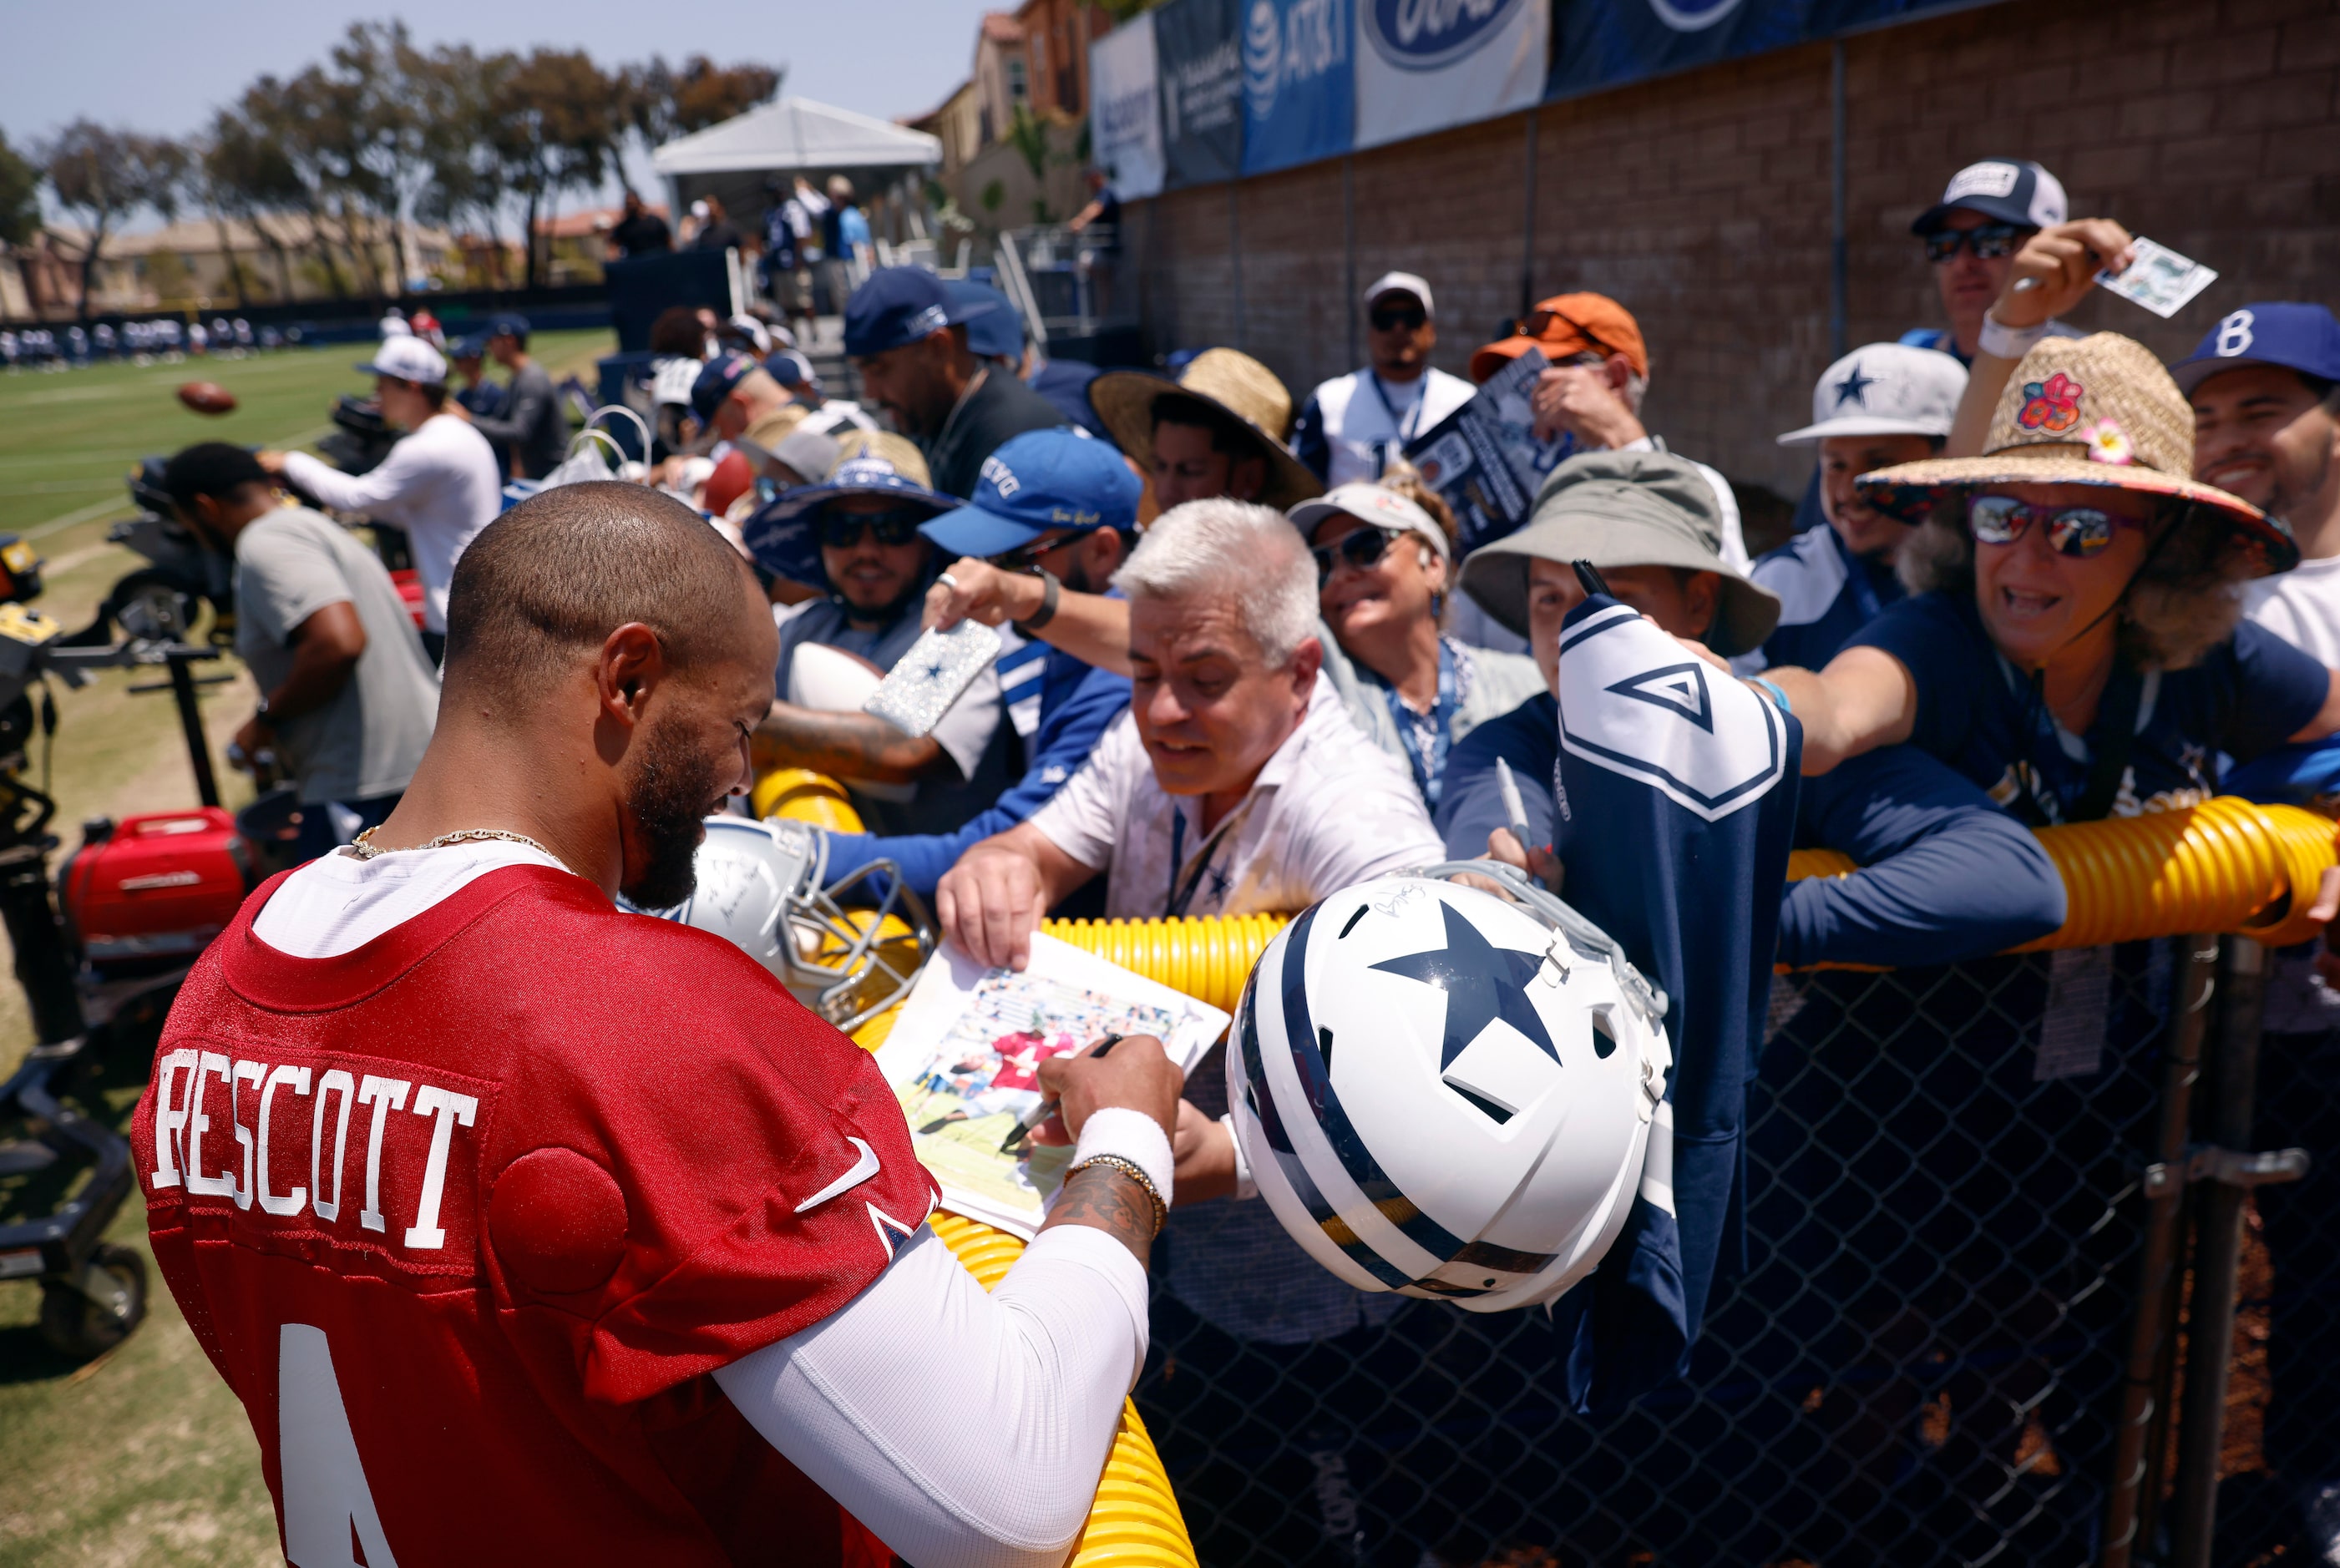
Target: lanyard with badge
<point>1385,450</point>
<point>1182,890</point>
<point>1437,729</point>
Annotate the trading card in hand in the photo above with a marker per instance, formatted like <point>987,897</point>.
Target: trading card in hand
<point>2159,279</point>
<point>931,677</point>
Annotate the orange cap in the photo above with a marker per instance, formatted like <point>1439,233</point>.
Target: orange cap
<point>1569,325</point>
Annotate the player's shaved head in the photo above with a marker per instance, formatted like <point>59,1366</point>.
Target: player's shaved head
<point>544,585</point>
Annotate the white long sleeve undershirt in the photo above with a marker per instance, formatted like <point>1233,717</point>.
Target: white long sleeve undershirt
<point>967,1429</point>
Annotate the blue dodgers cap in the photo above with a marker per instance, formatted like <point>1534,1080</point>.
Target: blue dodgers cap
<point>785,536</point>
<point>896,305</point>
<point>506,323</point>
<point>1040,480</point>
<point>994,327</point>
<point>714,384</point>
<point>2296,337</point>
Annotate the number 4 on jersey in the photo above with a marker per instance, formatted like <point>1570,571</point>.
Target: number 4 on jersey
<point>328,1514</point>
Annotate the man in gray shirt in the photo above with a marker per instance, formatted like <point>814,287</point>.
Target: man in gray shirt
<point>532,426</point>
<point>348,697</point>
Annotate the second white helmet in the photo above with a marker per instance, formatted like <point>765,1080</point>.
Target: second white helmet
<point>1447,1093</point>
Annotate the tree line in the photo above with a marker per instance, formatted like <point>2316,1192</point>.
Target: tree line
<point>380,136</point>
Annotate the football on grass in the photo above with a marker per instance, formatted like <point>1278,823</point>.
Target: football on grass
<point>207,397</point>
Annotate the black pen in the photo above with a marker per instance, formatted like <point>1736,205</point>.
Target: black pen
<point>1048,1107</point>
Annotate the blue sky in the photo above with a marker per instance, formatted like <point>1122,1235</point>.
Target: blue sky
<point>164,64</point>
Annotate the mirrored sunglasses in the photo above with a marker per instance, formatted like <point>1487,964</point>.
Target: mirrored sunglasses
<point>2079,532</point>
<point>1360,547</point>
<point>1992,242</point>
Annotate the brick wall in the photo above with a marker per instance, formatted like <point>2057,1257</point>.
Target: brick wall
<point>1702,202</point>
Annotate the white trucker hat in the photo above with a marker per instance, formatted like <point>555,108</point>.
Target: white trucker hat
<point>1884,390</point>
<point>1368,502</point>
<point>407,358</point>
<point>1400,283</point>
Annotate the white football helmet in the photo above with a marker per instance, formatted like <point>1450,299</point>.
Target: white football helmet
<point>764,886</point>
<point>1449,1094</point>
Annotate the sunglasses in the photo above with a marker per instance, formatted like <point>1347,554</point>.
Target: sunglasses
<point>1992,242</point>
<point>1360,547</point>
<point>1539,321</point>
<point>2081,532</point>
<point>1411,317</point>
<point>842,530</point>
<point>1024,557</point>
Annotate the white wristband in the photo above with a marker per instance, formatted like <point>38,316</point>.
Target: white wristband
<point>1246,1188</point>
<point>2001,341</point>
<point>1133,1136</point>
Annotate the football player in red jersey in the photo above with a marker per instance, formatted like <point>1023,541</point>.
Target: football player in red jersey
<point>529,1229</point>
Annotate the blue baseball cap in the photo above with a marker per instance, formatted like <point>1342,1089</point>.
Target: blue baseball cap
<point>896,305</point>
<point>506,323</point>
<point>2285,334</point>
<point>784,536</point>
<point>994,327</point>
<point>472,346</point>
<point>714,384</point>
<point>1036,482</point>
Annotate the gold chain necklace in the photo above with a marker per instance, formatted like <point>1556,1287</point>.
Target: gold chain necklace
<point>363,848</point>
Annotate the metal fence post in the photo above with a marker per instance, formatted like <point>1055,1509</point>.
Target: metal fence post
<point>2144,1386</point>
<point>2218,1256</point>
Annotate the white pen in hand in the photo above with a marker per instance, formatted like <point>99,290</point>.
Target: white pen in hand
<point>1515,809</point>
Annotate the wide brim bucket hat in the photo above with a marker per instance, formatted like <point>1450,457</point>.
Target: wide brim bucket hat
<point>1623,509</point>
<point>2095,410</point>
<point>1228,381</point>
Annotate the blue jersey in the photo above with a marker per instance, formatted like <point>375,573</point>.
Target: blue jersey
<point>1076,702</point>
<point>1984,717</point>
<point>1945,874</point>
<point>1826,594</point>
<point>1685,780</point>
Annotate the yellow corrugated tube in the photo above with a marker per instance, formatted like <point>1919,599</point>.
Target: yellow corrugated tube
<point>805,797</point>
<point>1135,1520</point>
<point>2227,865</point>
<point>1208,957</point>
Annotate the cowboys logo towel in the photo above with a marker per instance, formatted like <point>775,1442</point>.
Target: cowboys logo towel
<point>1676,791</point>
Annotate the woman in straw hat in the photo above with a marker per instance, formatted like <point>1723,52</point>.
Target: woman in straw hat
<point>1217,431</point>
<point>2072,646</point>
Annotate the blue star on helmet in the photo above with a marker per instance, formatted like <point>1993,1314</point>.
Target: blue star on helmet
<point>1854,388</point>
<point>1482,982</point>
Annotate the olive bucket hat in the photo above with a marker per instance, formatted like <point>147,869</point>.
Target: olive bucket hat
<point>1622,509</point>
<point>2097,410</point>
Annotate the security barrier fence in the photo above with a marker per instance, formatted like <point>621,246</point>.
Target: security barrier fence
<point>1991,1211</point>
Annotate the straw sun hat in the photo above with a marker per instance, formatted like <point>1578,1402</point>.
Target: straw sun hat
<point>2098,410</point>
<point>1233,382</point>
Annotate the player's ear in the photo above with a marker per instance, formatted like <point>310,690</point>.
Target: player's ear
<point>632,663</point>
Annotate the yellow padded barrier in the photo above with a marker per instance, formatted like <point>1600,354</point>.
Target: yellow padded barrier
<point>1135,1522</point>
<point>1208,957</point>
<point>807,796</point>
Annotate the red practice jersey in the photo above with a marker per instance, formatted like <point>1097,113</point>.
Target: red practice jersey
<point>466,1216</point>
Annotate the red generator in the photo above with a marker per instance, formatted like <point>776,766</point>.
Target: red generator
<point>150,893</point>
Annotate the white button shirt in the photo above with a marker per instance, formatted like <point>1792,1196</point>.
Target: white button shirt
<point>440,484</point>
<point>1329,810</point>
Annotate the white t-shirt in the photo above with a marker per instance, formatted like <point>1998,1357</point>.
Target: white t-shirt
<point>1329,810</point>
<point>2302,606</point>
<point>1037,1370</point>
<point>440,484</point>
<point>1368,420</point>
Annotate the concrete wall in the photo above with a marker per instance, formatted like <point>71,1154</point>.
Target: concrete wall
<point>1702,203</point>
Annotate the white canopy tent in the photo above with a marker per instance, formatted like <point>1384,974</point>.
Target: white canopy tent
<point>787,137</point>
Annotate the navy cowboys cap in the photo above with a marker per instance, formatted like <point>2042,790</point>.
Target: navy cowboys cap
<point>1036,482</point>
<point>2295,336</point>
<point>714,384</point>
<point>2011,190</point>
<point>994,331</point>
<point>896,305</point>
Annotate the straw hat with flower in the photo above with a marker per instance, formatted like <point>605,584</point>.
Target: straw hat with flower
<point>2098,410</point>
<point>1228,380</point>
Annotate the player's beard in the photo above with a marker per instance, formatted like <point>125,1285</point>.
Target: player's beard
<point>672,791</point>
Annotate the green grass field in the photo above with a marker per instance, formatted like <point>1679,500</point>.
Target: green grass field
<point>141,1456</point>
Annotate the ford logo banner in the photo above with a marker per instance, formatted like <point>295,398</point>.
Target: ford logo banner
<point>1426,34</point>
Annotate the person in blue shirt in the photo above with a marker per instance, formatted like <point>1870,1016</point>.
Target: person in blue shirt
<point>1878,406</point>
<point>1052,501</point>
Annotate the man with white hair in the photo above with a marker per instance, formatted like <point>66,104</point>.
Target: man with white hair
<point>1236,783</point>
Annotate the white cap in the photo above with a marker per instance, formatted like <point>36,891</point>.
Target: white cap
<point>407,358</point>
<point>1884,390</point>
<point>1401,282</point>
<point>1384,509</point>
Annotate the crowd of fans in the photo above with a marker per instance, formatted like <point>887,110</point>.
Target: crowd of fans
<point>2045,579</point>
<point>166,339</point>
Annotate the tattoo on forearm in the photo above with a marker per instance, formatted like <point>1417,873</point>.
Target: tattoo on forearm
<point>847,746</point>
<point>1110,1201</point>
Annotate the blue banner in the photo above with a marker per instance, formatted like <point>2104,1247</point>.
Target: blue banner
<point>1300,94</point>
<point>1607,42</point>
<point>1201,91</point>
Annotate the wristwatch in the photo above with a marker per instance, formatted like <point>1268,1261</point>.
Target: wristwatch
<point>1049,588</point>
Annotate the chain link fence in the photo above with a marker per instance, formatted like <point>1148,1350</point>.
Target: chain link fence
<point>1962,1284</point>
